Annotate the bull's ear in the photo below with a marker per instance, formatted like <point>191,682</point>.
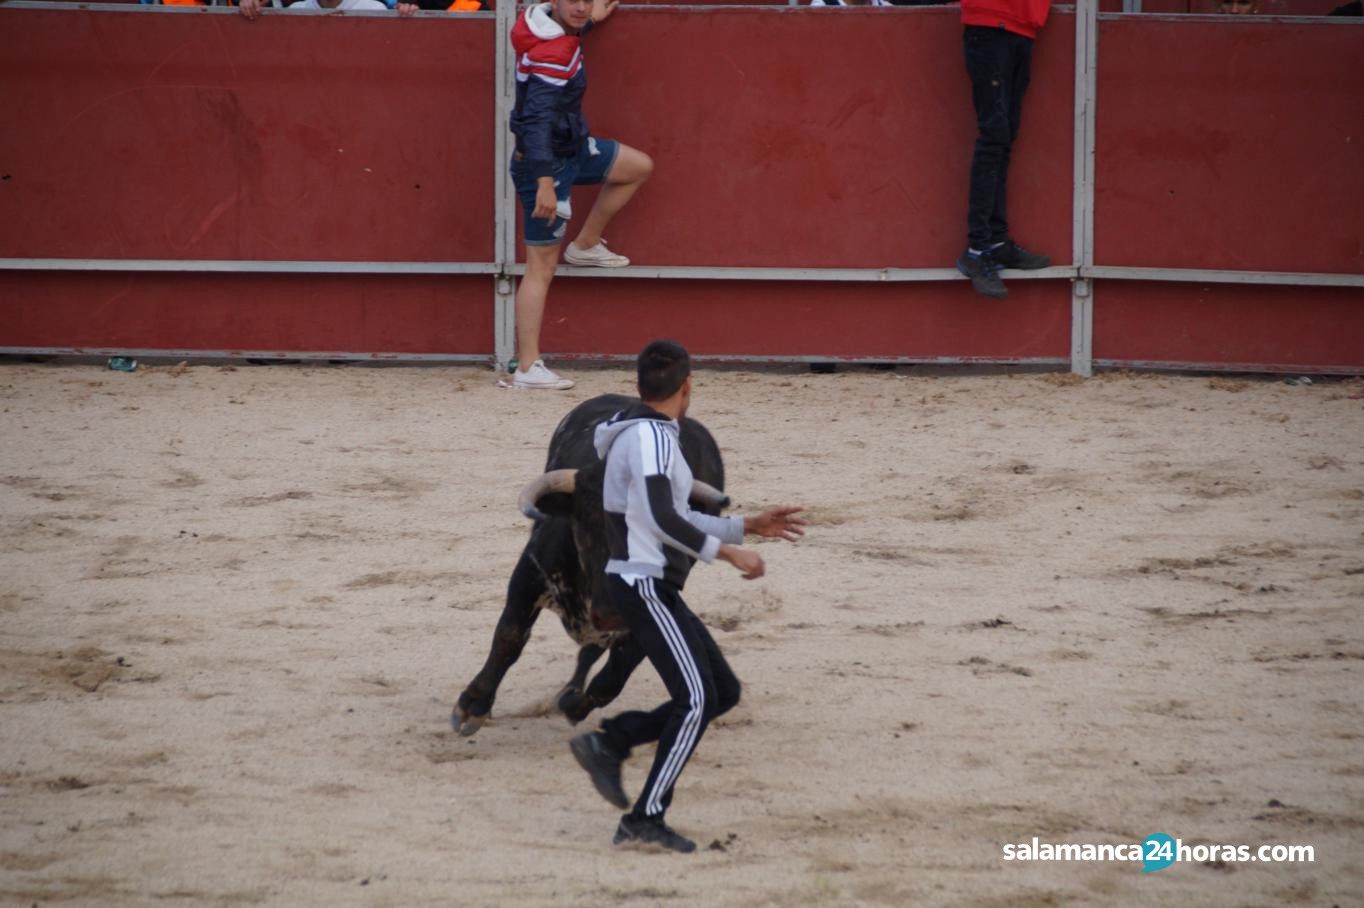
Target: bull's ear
<point>555,504</point>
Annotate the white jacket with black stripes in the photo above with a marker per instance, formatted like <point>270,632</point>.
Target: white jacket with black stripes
<point>651,530</point>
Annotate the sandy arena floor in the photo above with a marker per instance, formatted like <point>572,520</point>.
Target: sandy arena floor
<point>236,605</point>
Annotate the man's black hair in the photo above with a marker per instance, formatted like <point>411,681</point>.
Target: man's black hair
<point>662,366</point>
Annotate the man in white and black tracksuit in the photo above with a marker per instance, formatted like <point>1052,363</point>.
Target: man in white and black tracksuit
<point>654,537</point>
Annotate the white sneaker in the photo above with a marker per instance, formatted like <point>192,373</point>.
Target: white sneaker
<point>536,378</point>
<point>598,256</point>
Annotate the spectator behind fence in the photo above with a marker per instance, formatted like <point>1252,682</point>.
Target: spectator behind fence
<point>555,150</point>
<point>1239,7</point>
<point>458,6</point>
<point>998,38</point>
<point>275,3</point>
<point>1355,8</point>
<point>880,2</point>
<point>251,8</point>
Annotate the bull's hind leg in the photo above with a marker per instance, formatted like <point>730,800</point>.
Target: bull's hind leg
<point>524,592</point>
<point>626,654</point>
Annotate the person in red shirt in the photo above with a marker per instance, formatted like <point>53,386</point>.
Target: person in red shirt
<point>998,38</point>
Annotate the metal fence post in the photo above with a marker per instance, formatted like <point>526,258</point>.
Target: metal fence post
<point>504,197</point>
<point>1082,231</point>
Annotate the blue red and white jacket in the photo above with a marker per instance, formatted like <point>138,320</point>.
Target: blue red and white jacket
<point>1022,17</point>
<point>550,82</point>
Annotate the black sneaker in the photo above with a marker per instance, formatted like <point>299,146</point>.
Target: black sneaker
<point>984,274</point>
<point>651,831</point>
<point>602,765</point>
<point>1011,255</point>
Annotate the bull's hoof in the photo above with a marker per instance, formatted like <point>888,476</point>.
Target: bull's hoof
<point>574,704</point>
<point>465,724</point>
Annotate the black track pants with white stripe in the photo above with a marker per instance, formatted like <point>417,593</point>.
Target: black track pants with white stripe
<point>699,681</point>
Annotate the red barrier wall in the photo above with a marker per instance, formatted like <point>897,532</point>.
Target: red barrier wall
<point>736,318</point>
<point>1243,149</point>
<point>1214,7</point>
<point>399,314</point>
<point>797,138</point>
<point>771,151</point>
<point>1229,326</point>
<point>175,136</point>
<point>765,157</point>
<point>154,135</point>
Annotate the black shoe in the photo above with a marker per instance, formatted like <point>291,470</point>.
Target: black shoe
<point>651,831</point>
<point>602,765</point>
<point>984,274</point>
<point>1011,255</point>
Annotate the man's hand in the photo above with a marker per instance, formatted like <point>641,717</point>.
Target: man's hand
<point>777,523</point>
<point>601,9</point>
<point>749,563</point>
<point>545,200</point>
<point>249,8</point>
<point>407,9</point>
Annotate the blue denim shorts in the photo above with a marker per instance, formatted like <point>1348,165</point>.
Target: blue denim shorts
<point>588,168</point>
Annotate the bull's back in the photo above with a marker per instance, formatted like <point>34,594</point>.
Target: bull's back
<point>571,446</point>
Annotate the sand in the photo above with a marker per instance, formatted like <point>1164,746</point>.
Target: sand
<point>237,604</point>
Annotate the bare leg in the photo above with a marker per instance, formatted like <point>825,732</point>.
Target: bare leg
<point>631,169</point>
<point>530,301</point>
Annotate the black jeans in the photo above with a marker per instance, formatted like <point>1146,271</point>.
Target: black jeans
<point>700,684</point>
<point>999,63</point>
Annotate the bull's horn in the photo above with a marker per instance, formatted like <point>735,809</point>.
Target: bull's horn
<point>708,495</point>
<point>545,484</point>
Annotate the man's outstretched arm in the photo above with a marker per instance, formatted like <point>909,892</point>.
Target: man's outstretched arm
<point>673,528</point>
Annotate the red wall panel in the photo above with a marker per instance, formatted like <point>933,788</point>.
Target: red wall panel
<point>817,138</point>
<point>143,134</point>
<point>1268,7</point>
<point>1230,325</point>
<point>797,138</point>
<point>737,318</point>
<point>1207,7</point>
<point>1230,144</point>
<point>419,314</point>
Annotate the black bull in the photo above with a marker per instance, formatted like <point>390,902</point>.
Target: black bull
<point>562,565</point>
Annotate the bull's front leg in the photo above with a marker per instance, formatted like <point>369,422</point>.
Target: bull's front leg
<point>572,692</point>
<point>524,594</point>
<point>625,656</point>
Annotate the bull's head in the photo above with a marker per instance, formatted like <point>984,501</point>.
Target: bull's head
<point>551,495</point>
<point>575,496</point>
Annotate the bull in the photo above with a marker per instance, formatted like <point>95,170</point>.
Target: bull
<point>562,566</point>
